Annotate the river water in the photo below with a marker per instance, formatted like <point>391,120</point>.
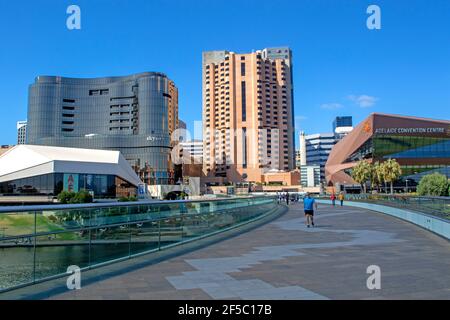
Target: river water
<point>17,263</point>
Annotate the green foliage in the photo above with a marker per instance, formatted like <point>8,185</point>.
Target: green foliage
<point>376,173</point>
<point>362,172</point>
<point>275,183</point>
<point>391,171</point>
<point>66,197</point>
<point>128,199</point>
<point>435,184</point>
<point>83,196</point>
<point>183,195</point>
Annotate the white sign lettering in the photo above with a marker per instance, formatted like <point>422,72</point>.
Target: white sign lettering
<point>409,130</point>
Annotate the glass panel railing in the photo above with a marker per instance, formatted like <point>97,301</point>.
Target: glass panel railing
<point>55,252</point>
<point>144,236</point>
<point>435,206</point>
<point>16,262</point>
<point>17,224</point>
<point>41,242</point>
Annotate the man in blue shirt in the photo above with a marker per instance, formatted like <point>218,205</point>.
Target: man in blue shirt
<point>309,204</point>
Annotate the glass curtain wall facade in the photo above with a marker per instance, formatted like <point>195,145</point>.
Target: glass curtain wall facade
<point>421,147</point>
<point>102,186</point>
<point>127,114</point>
<point>418,155</point>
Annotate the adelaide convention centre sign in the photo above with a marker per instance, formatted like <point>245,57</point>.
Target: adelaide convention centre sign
<point>410,130</point>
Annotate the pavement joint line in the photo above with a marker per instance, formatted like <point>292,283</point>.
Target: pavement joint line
<point>262,254</point>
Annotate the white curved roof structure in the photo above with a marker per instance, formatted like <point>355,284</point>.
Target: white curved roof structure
<point>25,161</point>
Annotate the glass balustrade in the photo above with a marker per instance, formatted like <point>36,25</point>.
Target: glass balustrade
<point>41,242</point>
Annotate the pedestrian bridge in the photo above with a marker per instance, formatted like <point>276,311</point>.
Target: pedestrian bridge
<point>272,256</point>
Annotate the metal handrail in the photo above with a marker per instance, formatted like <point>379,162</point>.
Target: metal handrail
<point>8,209</point>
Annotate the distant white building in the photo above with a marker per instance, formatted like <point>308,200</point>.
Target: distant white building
<point>193,149</point>
<point>310,176</point>
<point>318,147</point>
<point>315,149</point>
<point>21,132</point>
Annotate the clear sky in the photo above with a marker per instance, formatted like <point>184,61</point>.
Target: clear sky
<point>340,66</point>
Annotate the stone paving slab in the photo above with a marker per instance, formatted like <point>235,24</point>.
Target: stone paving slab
<point>285,260</point>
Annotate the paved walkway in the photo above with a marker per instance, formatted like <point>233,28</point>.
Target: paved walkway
<point>285,260</point>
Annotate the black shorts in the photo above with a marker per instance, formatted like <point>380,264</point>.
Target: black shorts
<point>310,212</point>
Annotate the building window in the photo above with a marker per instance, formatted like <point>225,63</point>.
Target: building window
<point>243,69</point>
<point>244,147</point>
<point>244,102</point>
<point>97,92</point>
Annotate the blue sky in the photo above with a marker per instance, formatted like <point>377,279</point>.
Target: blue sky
<point>340,67</point>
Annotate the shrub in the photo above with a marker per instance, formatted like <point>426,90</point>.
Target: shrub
<point>66,197</point>
<point>82,196</point>
<point>435,184</point>
<point>128,199</point>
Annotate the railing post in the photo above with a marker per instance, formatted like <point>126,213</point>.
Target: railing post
<point>181,219</point>
<point>159,229</point>
<point>90,239</point>
<point>34,247</point>
<point>129,230</point>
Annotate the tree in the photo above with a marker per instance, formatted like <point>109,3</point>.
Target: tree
<point>434,184</point>
<point>377,176</point>
<point>67,197</point>
<point>83,196</point>
<point>391,172</point>
<point>362,173</point>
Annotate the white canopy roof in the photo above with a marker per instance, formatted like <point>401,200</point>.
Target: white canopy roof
<point>25,161</point>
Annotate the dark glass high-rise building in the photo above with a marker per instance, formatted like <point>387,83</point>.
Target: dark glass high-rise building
<point>343,121</point>
<point>129,114</point>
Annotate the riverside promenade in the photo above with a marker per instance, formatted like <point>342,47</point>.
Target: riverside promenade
<point>282,259</point>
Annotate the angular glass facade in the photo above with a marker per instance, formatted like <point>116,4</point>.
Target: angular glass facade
<point>421,146</point>
<point>102,186</point>
<point>418,155</point>
<point>128,114</point>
